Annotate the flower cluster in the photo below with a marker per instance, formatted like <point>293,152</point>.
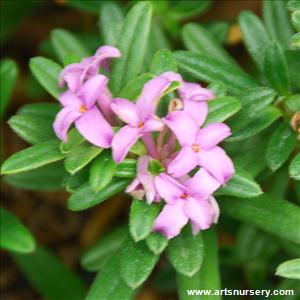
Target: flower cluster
<point>184,165</point>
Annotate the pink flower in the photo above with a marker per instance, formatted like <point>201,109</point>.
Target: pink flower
<point>194,98</point>
<point>199,147</point>
<point>143,184</point>
<point>140,117</point>
<point>80,108</point>
<point>75,74</point>
<point>189,201</point>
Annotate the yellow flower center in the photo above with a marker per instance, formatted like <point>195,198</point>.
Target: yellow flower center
<point>140,125</point>
<point>196,148</point>
<point>83,109</point>
<point>184,196</point>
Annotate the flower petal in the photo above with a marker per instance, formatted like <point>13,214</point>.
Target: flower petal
<point>217,163</point>
<point>215,207</point>
<point>104,102</point>
<point>71,75</point>
<point>104,53</point>
<point>194,91</point>
<point>185,161</point>
<point>63,121</point>
<point>123,140</point>
<point>152,92</point>
<point>200,212</point>
<point>95,128</point>
<point>171,220</point>
<point>183,127</point>
<point>91,89</point>
<point>126,111</point>
<point>212,134</point>
<point>153,124</point>
<point>197,110</point>
<point>202,184</point>
<point>69,99</point>
<point>169,189</point>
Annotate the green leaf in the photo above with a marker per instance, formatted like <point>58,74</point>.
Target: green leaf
<point>84,197</point>
<point>137,262</point>
<point>280,146</point>
<point>156,242</point>
<point>293,5</point>
<point>296,20</point>
<point>74,139</point>
<point>65,43</point>
<point>203,67</point>
<point>45,110</point>
<point>47,178</point>
<point>220,30</point>
<point>185,283</point>
<point>261,122</point>
<point>255,37</point>
<point>289,269</point>
<point>132,44</point>
<point>90,6</point>
<point>126,169</point>
<point>33,129</point>
<point>8,75</point>
<point>141,218</point>
<point>133,88</point>
<point>221,108</point>
<point>241,185</point>
<point>187,8</point>
<point>49,276</point>
<point>75,181</point>
<point>198,39</point>
<point>295,42</point>
<point>80,155</point>
<point>218,88</point>
<point>277,22</point>
<point>110,23</point>
<point>293,59</point>
<point>138,148</point>
<point>14,235</point>
<point>47,73</point>
<point>109,284</point>
<point>276,69</point>
<point>32,157</point>
<point>276,216</point>
<point>102,171</point>
<point>294,169</point>
<point>106,247</point>
<point>163,61</point>
<point>185,252</point>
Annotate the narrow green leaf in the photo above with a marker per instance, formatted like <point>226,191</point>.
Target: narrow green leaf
<point>276,216</point>
<point>32,158</point>
<point>276,69</point>
<point>203,67</point>
<point>263,120</point>
<point>45,110</point>
<point>126,169</point>
<point>137,262</point>
<point>280,146</point>
<point>220,30</point>
<point>74,139</point>
<point>49,276</point>
<point>84,197</point>
<point>75,181</point>
<point>102,171</point>
<point>47,178</point>
<point>241,185</point>
<point>289,269</point>
<point>209,272</point>
<point>80,156</point>
<point>65,43</point>
<point>33,129</point>
<point>198,39</point>
<point>185,252</point>
<point>163,61</point>
<point>106,247</point>
<point>141,218</point>
<point>133,88</point>
<point>255,37</point>
<point>218,88</point>
<point>293,5</point>
<point>293,59</point>
<point>8,75</point>
<point>296,20</point>
<point>132,44</point>
<point>294,169</point>
<point>110,23</point>
<point>109,284</point>
<point>138,148</point>
<point>14,236</point>
<point>90,6</point>
<point>187,8</point>
<point>221,108</point>
<point>277,22</point>
<point>156,242</point>
<point>47,73</point>
<point>185,283</point>
<point>295,42</point>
